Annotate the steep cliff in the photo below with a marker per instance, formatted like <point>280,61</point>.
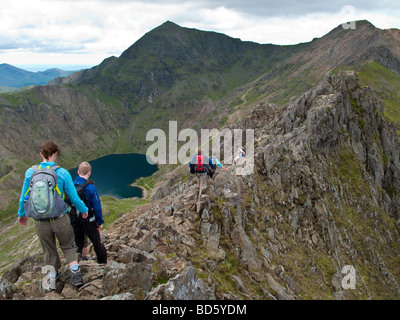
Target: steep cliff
<point>323,195</point>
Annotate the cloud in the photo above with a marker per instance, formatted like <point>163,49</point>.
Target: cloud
<point>97,29</point>
<point>296,8</point>
<point>281,29</point>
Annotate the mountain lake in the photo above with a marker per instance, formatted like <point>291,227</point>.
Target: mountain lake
<point>113,174</point>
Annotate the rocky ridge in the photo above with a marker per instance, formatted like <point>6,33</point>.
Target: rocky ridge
<point>324,194</point>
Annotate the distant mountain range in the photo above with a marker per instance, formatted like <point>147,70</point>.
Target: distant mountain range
<point>14,77</point>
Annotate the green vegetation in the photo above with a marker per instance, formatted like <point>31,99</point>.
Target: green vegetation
<point>386,85</point>
<point>4,89</point>
<point>146,182</point>
<point>359,110</point>
<point>362,219</point>
<point>114,208</point>
<point>16,242</point>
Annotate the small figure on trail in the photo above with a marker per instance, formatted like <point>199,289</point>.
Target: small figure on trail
<point>241,154</point>
<point>200,165</point>
<point>90,227</point>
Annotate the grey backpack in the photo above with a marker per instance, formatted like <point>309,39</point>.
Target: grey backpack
<point>44,199</point>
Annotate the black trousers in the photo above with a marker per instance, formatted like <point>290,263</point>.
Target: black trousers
<point>84,226</point>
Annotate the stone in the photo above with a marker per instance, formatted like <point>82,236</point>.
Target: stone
<point>184,286</point>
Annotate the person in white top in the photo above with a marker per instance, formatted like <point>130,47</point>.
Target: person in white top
<point>241,154</point>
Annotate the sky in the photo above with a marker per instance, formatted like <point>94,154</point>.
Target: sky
<point>85,32</point>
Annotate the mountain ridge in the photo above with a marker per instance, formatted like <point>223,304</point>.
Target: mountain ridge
<point>11,76</point>
<point>327,170</point>
<point>324,195</point>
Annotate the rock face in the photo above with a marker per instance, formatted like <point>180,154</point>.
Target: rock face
<point>323,195</point>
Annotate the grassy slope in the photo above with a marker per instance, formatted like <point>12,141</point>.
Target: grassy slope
<point>386,85</point>
<point>17,242</point>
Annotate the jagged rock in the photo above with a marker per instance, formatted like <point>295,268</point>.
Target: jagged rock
<point>135,255</point>
<point>122,296</point>
<point>240,285</point>
<point>69,292</point>
<point>135,278</point>
<point>5,289</point>
<point>92,290</point>
<point>184,286</point>
<point>146,243</point>
<point>277,289</point>
<point>211,236</point>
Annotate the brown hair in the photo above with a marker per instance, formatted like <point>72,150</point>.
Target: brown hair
<point>84,168</point>
<point>49,148</point>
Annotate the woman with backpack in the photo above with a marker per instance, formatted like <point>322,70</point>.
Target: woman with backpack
<point>41,198</point>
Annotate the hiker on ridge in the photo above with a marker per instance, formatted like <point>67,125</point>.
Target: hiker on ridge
<point>41,198</point>
<point>200,165</point>
<point>91,226</point>
<point>241,154</point>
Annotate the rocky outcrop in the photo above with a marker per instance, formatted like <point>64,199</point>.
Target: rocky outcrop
<point>323,195</point>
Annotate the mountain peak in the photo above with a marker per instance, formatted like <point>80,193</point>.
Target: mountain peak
<point>364,23</point>
<point>167,26</point>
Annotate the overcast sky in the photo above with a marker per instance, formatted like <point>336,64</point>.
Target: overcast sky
<point>85,32</point>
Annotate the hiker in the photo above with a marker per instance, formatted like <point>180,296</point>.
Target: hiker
<point>241,154</point>
<point>216,163</point>
<point>50,217</point>
<point>90,227</point>
<point>200,165</point>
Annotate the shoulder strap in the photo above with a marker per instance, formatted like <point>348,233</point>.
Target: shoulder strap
<point>35,168</point>
<point>86,183</point>
<point>38,166</point>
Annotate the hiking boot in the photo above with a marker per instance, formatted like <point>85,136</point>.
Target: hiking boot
<point>76,278</point>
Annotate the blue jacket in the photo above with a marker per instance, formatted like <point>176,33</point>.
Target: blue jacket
<point>64,181</point>
<point>93,199</point>
<point>215,161</point>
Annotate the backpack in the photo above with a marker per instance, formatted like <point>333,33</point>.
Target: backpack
<point>74,214</point>
<point>43,198</point>
<point>201,166</point>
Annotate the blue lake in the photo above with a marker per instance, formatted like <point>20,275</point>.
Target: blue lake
<point>113,174</point>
